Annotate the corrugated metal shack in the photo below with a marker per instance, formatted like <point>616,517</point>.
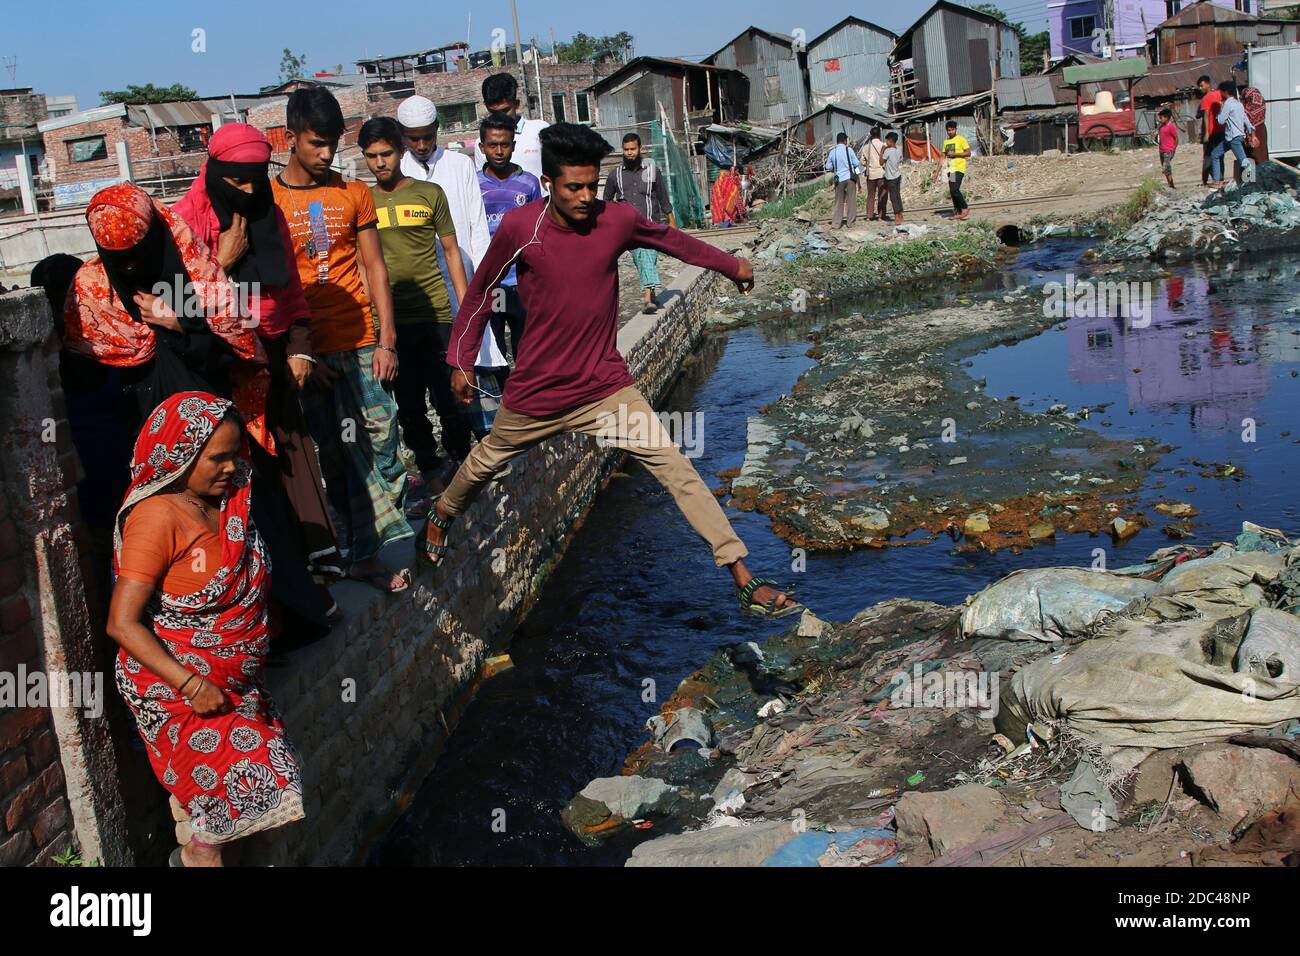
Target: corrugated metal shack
<point>771,62</point>
<point>691,94</point>
<point>821,128</point>
<point>850,62</point>
<point>952,51</point>
<point>1205,29</point>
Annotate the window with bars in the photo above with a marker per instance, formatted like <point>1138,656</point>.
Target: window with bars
<point>87,150</point>
<point>457,116</point>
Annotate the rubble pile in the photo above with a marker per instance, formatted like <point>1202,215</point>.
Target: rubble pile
<point>902,737</point>
<point>1254,217</point>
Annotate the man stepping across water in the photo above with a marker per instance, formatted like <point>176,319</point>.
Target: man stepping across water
<point>568,375</point>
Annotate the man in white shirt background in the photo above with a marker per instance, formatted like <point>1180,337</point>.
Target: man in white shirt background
<point>501,95</point>
<point>456,173</point>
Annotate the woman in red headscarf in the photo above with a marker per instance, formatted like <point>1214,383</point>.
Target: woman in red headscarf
<point>189,610</point>
<point>231,208</point>
<point>155,305</point>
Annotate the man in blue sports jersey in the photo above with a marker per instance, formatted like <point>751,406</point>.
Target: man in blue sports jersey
<point>505,185</point>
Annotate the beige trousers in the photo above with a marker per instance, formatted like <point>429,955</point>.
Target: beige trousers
<point>623,420</point>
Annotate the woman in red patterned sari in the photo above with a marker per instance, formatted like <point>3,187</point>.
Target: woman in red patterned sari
<point>189,610</point>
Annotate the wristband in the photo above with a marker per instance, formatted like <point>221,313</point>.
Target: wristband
<point>304,356</point>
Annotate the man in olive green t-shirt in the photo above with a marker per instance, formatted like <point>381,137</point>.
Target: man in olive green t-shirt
<point>413,219</point>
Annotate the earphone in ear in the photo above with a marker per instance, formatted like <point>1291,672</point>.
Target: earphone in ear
<point>497,278</point>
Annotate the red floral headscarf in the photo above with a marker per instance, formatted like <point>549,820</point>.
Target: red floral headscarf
<point>168,444</point>
<point>97,324</point>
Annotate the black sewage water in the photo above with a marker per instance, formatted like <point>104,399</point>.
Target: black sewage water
<point>637,598</point>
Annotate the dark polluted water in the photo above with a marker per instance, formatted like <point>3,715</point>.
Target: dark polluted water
<point>636,604</point>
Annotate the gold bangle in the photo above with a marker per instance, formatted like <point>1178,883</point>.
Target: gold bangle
<point>181,690</point>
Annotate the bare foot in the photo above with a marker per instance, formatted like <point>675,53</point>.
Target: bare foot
<point>373,572</point>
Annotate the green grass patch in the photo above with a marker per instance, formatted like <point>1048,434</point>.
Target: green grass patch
<point>1137,206</point>
<point>791,201</point>
<point>878,264</point>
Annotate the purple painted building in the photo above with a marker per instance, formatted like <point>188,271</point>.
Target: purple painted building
<point>1074,25</point>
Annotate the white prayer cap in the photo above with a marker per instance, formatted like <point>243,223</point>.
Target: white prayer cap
<point>417,111</point>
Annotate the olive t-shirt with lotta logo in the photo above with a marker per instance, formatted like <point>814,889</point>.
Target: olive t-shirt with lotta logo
<point>412,218</point>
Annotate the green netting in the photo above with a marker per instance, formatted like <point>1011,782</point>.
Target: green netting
<point>688,205</point>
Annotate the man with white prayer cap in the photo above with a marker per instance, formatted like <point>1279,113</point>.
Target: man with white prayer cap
<point>456,173</point>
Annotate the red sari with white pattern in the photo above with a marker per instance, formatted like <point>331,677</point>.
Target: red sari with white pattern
<point>234,773</point>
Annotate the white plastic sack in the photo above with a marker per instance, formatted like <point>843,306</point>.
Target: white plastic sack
<point>1049,604</point>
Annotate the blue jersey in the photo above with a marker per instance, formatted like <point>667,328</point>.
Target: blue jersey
<point>500,196</point>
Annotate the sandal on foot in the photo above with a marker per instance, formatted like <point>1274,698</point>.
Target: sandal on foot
<point>383,580</point>
<point>430,555</point>
<point>767,609</point>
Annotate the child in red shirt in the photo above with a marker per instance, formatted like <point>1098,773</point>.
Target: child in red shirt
<point>1168,140</point>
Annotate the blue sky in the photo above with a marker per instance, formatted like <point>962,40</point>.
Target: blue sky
<point>83,47</point>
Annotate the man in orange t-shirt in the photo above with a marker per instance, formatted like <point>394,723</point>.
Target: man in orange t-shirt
<point>349,409</point>
<point>1211,129</point>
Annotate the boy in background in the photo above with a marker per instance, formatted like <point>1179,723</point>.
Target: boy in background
<point>505,185</point>
<point>957,148</point>
<point>892,158</point>
<point>1168,139</point>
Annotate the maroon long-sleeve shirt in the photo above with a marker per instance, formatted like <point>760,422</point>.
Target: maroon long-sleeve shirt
<point>568,281</point>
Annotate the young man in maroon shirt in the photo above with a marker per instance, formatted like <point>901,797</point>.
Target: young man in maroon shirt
<point>568,375</point>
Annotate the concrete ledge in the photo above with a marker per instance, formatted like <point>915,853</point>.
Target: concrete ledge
<point>25,320</point>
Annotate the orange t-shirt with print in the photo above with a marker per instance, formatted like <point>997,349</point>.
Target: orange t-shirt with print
<point>324,222</point>
<point>165,543</point>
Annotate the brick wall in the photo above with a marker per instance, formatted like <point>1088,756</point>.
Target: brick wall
<point>58,773</point>
<point>140,145</point>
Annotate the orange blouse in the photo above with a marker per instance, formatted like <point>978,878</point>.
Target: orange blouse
<point>165,543</point>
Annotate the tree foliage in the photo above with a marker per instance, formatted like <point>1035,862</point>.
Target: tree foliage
<point>292,67</point>
<point>588,49</point>
<point>137,95</point>
<point>1032,45</point>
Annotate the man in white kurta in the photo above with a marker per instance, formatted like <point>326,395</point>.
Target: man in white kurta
<point>456,174</point>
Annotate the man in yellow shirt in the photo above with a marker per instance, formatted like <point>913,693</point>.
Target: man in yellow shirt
<point>957,149</point>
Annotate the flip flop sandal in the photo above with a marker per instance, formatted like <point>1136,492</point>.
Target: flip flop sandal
<point>382,580</point>
<point>767,609</point>
<point>431,555</point>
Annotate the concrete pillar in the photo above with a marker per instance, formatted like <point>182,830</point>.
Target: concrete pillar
<point>216,121</point>
<point>123,162</point>
<point>25,187</point>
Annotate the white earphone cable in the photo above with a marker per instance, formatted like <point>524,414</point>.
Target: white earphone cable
<point>492,285</point>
